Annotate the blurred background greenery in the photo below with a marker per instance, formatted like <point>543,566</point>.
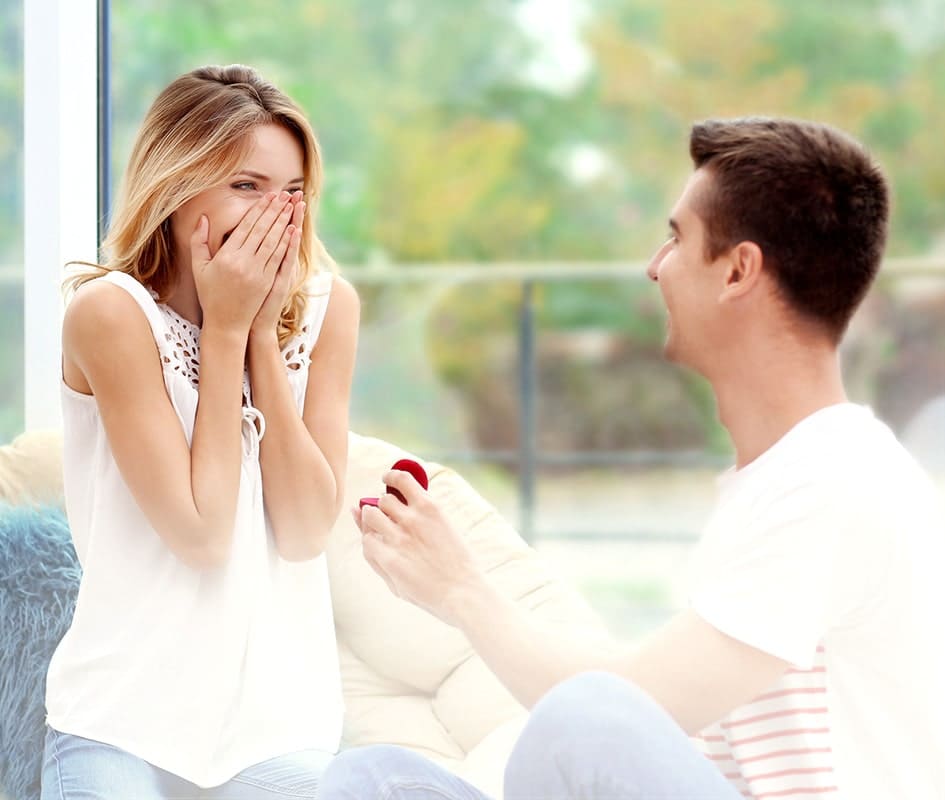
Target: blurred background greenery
<point>550,133</point>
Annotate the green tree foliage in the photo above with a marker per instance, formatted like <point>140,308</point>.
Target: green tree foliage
<point>414,103</point>
<point>440,146</point>
<point>872,67</point>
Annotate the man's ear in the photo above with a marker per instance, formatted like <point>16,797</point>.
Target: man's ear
<point>743,268</point>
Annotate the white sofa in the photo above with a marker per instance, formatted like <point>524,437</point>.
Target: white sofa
<point>408,679</point>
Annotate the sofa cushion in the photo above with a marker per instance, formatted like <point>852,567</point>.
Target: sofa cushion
<point>412,680</point>
<point>408,678</point>
<point>31,469</point>
<point>39,578</point>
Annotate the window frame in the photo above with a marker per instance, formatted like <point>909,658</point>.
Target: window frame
<point>61,198</point>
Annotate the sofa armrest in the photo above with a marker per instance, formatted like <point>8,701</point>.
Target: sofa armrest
<point>31,469</point>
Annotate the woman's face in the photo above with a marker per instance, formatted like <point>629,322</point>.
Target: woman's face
<point>274,163</point>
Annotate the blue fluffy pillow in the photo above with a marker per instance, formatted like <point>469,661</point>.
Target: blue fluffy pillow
<point>39,578</point>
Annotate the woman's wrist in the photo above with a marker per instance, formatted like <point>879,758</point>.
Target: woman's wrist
<point>263,338</point>
<point>224,335</point>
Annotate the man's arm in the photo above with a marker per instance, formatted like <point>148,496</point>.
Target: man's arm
<point>696,672</point>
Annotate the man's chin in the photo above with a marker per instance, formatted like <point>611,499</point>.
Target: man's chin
<point>670,351</point>
<point>672,354</point>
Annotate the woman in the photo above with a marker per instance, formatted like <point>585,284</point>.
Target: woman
<point>206,377</point>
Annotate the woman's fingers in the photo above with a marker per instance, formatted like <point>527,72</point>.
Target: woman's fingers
<point>298,219</point>
<point>291,256</point>
<point>246,225</point>
<point>276,265</point>
<point>200,241</point>
<point>250,262</point>
<point>299,213</point>
<point>285,256</point>
<point>274,238</point>
<point>271,222</point>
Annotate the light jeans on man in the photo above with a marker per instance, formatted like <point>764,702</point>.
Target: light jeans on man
<point>593,737</point>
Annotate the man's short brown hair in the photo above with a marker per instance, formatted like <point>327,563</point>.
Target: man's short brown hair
<point>808,195</point>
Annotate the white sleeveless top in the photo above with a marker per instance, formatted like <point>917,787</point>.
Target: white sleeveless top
<point>199,672</point>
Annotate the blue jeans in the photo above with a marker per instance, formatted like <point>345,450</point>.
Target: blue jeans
<point>82,769</point>
<point>592,737</point>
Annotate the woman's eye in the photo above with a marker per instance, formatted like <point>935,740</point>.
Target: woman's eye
<point>245,185</point>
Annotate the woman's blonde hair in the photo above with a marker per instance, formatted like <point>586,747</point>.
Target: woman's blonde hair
<point>195,136</point>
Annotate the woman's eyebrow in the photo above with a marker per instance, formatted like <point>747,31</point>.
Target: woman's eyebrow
<point>265,178</point>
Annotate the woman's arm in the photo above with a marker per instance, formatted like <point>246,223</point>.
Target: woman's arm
<point>303,459</point>
<point>188,494</point>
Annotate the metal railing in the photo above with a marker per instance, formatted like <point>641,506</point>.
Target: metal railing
<point>528,457</point>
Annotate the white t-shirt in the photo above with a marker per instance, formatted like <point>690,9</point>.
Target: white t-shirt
<point>200,672</point>
<point>828,551</point>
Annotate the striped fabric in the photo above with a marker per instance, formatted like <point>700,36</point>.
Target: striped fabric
<point>778,745</point>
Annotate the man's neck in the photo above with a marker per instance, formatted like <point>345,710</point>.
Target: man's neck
<point>760,402</point>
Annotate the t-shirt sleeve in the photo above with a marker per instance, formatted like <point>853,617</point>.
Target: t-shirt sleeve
<point>778,573</point>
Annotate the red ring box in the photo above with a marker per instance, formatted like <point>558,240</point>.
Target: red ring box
<point>407,465</point>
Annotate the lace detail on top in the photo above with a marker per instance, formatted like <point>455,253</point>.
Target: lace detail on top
<point>296,351</point>
<point>182,354</point>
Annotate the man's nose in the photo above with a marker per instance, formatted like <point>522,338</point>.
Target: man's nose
<point>653,268</point>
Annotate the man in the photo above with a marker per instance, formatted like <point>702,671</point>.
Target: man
<point>811,660</point>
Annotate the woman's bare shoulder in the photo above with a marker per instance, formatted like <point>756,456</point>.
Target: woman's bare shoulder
<point>103,316</point>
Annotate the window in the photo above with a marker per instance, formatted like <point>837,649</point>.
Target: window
<point>496,176</point>
<point>11,221</point>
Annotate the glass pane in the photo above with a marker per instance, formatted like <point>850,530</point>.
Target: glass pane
<point>468,146</point>
<point>11,220</point>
